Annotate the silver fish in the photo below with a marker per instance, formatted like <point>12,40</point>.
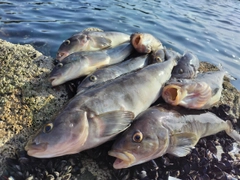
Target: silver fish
<point>83,63</point>
<point>200,93</point>
<point>90,40</point>
<point>187,66</point>
<point>145,43</point>
<point>96,116</point>
<point>160,130</point>
<point>111,72</point>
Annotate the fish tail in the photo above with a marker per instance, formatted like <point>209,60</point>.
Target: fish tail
<point>231,132</point>
<point>227,74</point>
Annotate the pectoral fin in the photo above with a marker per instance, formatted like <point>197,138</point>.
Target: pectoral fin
<point>102,42</point>
<point>183,143</point>
<point>115,122</point>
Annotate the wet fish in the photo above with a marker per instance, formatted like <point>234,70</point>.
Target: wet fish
<point>161,55</point>
<point>83,63</point>
<point>145,43</point>
<point>158,55</point>
<point>187,66</point>
<point>97,115</point>
<point>91,40</point>
<point>111,72</point>
<point>200,93</point>
<point>160,130</point>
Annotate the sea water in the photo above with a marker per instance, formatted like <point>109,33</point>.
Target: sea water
<point>210,29</point>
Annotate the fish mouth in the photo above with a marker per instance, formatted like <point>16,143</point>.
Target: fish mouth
<point>34,149</point>
<point>53,80</point>
<point>61,55</point>
<point>124,159</point>
<point>172,94</point>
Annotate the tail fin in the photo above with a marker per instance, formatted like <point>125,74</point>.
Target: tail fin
<point>232,133</point>
<point>227,74</point>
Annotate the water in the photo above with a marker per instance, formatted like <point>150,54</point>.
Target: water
<point>210,29</point>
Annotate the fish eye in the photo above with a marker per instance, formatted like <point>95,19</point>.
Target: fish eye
<point>93,78</point>
<point>180,71</point>
<point>137,137</point>
<point>67,42</point>
<point>60,65</point>
<point>158,59</point>
<point>48,127</point>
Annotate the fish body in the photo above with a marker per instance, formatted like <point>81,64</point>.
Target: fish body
<point>187,66</point>
<point>91,40</point>
<point>111,72</point>
<point>199,93</point>
<point>160,130</point>
<point>145,43</point>
<point>97,115</point>
<point>83,63</point>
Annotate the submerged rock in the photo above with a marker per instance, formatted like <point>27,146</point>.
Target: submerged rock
<point>27,100</point>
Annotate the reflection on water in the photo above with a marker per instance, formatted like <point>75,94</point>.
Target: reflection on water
<point>209,29</point>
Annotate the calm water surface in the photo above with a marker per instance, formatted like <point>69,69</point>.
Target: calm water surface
<point>210,29</point>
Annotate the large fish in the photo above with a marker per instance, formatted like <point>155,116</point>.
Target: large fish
<point>91,40</point>
<point>200,93</point>
<point>145,43</point>
<point>97,115</point>
<point>187,66</point>
<point>83,63</point>
<point>111,72</point>
<point>160,130</point>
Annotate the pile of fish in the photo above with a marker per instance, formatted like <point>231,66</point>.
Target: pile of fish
<point>125,75</point>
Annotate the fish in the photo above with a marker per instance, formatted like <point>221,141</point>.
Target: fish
<point>83,63</point>
<point>91,40</point>
<point>163,130</point>
<point>164,54</point>
<point>187,67</point>
<point>98,115</point>
<point>158,55</point>
<point>145,43</point>
<point>200,93</point>
<point>111,72</point>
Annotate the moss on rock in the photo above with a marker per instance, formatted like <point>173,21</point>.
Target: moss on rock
<point>26,97</point>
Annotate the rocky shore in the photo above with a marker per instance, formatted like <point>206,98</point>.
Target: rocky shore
<point>27,100</point>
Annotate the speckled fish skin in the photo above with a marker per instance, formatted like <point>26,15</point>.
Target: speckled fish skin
<point>200,93</point>
<point>111,72</point>
<point>160,130</point>
<point>90,41</point>
<point>187,66</point>
<point>145,43</point>
<point>96,116</point>
<point>83,63</point>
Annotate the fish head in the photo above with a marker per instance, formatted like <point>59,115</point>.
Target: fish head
<point>65,135</point>
<point>73,44</point>
<point>65,71</point>
<point>141,42</point>
<point>142,141</point>
<point>158,55</point>
<point>187,66</point>
<point>175,91</point>
<point>190,93</point>
<point>89,81</point>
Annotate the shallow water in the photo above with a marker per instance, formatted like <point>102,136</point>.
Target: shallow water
<point>210,29</point>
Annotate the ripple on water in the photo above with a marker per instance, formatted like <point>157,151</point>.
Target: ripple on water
<point>179,25</point>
